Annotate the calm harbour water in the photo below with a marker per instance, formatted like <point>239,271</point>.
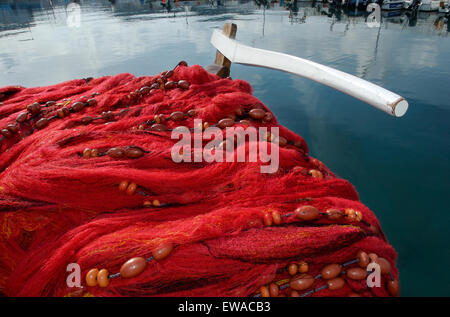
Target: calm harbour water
<point>400,166</point>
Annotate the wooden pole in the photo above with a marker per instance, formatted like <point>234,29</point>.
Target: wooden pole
<point>222,65</point>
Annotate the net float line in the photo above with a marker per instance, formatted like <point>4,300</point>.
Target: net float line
<point>331,274</point>
<point>135,266</point>
<point>103,191</point>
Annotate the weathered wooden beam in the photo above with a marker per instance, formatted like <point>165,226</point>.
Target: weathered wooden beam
<point>229,30</point>
<point>222,65</point>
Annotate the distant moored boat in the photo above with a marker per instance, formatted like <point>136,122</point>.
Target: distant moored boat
<point>429,5</point>
<point>393,4</point>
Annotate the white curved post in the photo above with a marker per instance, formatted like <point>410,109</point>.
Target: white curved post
<point>361,89</point>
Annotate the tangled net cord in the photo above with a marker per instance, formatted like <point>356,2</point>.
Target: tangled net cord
<point>87,177</point>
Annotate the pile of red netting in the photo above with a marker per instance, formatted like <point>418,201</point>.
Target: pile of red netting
<point>58,206</point>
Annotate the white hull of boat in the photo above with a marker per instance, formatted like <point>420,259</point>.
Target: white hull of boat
<point>429,6</point>
<point>393,5</point>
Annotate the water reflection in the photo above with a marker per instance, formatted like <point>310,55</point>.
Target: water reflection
<point>73,12</point>
<point>16,15</point>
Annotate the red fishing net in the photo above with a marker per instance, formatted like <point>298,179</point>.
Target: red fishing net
<point>228,229</point>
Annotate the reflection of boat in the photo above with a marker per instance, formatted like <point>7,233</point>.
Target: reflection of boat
<point>391,13</point>
<point>22,4</point>
<point>357,3</point>
<point>444,7</point>
<point>351,3</point>
<point>429,5</point>
<point>393,4</point>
